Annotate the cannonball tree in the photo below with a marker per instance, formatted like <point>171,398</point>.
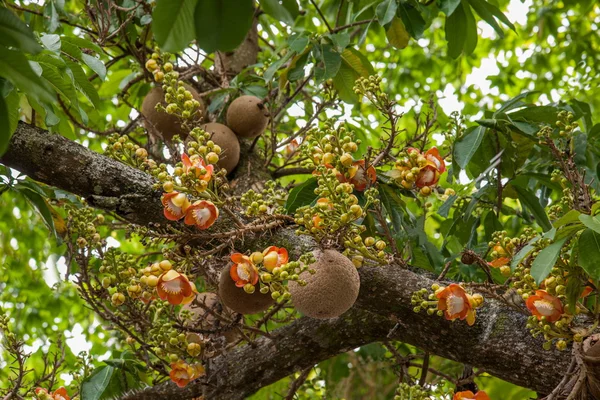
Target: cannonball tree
<point>228,199</point>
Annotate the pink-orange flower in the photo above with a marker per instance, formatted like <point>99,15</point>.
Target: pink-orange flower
<point>202,213</point>
<point>176,204</point>
<point>499,262</point>
<point>197,164</point>
<point>274,257</point>
<point>243,270</point>
<point>317,221</point>
<point>428,176</point>
<point>58,394</point>
<point>433,156</point>
<point>542,304</point>
<point>455,303</point>
<point>361,176</point>
<point>468,395</point>
<point>174,287</point>
<point>182,373</point>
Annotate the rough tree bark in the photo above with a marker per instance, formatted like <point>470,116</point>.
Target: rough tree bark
<point>498,342</point>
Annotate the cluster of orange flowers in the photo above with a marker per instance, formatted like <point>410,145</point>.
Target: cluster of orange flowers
<point>202,213</point>
<point>244,270</point>
<point>420,170</point>
<point>58,394</point>
<point>468,395</point>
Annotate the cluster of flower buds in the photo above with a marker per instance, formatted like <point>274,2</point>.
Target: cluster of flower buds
<point>414,169</point>
<point>404,391</point>
<point>180,101</point>
<point>121,148</point>
<point>332,149</point>
<point>452,301</point>
<point>269,202</point>
<point>269,270</point>
<point>371,88</point>
<point>503,249</point>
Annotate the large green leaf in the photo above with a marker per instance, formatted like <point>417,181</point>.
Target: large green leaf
<point>222,25</point>
<point>283,11</point>
<point>412,19</point>
<point>329,64</point>
<point>397,34</point>
<point>354,65</point>
<point>591,222</point>
<point>589,252</point>
<point>449,6</point>
<point>546,114</point>
<point>14,33</point>
<point>386,11</point>
<point>465,148</point>
<point>489,13</point>
<point>456,32</point>
<point>15,67</point>
<point>173,23</point>
<point>545,260</point>
<point>529,200</point>
<point>301,195</point>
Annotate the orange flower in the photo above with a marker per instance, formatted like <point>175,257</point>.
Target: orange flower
<point>433,156</point>
<point>499,262</point>
<point>543,304</point>
<point>586,291</point>
<point>202,213</point>
<point>291,147</point>
<point>324,203</point>
<point>274,257</point>
<point>468,395</point>
<point>359,176</point>
<point>456,303</point>
<point>174,287</point>
<point>428,175</point>
<point>182,373</point>
<point>58,394</point>
<point>197,164</point>
<point>243,270</point>
<point>317,221</point>
<point>176,205</point>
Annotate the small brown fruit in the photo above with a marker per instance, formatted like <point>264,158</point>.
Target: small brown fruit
<point>202,319</point>
<point>246,116</point>
<point>160,124</point>
<point>331,291</point>
<point>238,300</point>
<point>224,137</point>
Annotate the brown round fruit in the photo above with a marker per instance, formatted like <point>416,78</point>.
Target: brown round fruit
<point>246,116</point>
<point>227,141</point>
<point>160,124</point>
<point>240,301</point>
<point>197,313</point>
<point>331,291</point>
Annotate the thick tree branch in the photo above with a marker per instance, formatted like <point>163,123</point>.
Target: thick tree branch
<point>498,342</point>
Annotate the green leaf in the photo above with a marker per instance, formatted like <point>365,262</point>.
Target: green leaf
<point>298,42</point>
<point>222,25</point>
<point>15,67</point>
<point>412,19</point>
<point>394,206</point>
<point>529,200</point>
<point>568,218</point>
<point>397,34</point>
<point>51,21</point>
<point>471,28</point>
<point>329,64</point>
<point>81,82</point>
<point>545,260</point>
<point>296,69</point>
<point>546,114</point>
<point>278,11</point>
<point>465,148</point>
<point>82,43</point>
<point>14,33</point>
<point>447,206</point>
<point>5,132</point>
<point>173,24</point>
<point>448,6</point>
<point>51,42</point>
<point>41,205</point>
<point>386,11</point>
<point>95,65</point>
<point>456,32</point>
<point>513,103</point>
<point>94,386</point>
<point>301,195</point>
<point>487,12</point>
<point>354,65</point>
<point>591,222</point>
<point>589,252</point>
